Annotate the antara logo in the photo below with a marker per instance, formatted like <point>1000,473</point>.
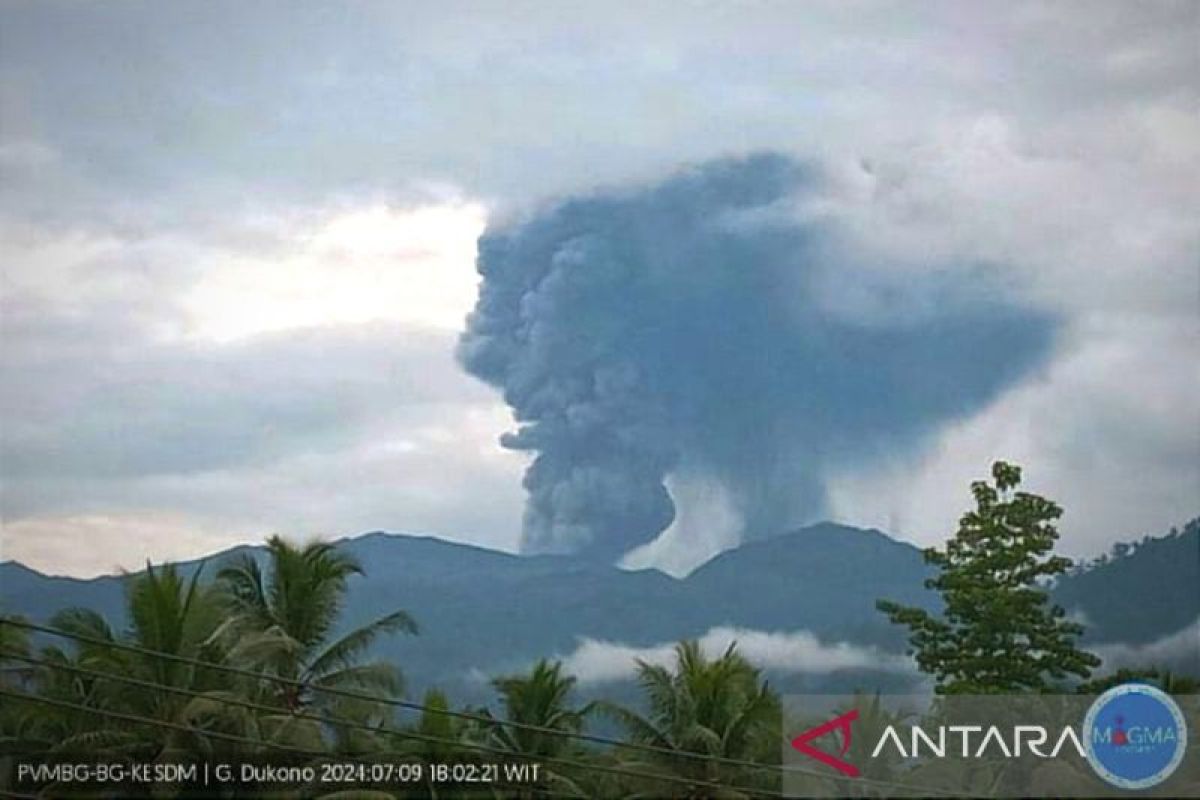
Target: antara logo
<point>991,741</point>
<point>1134,736</point>
<point>955,741</point>
<point>842,724</point>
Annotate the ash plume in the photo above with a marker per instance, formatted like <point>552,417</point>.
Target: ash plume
<point>700,326</point>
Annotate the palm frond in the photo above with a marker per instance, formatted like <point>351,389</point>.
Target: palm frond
<point>385,679</point>
<point>265,648</point>
<point>343,652</point>
<point>637,727</point>
<point>83,622</point>
<point>245,590</point>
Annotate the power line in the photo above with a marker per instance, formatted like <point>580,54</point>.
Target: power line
<point>157,723</point>
<point>479,747</point>
<point>409,705</point>
<point>486,719</point>
<point>413,735</point>
<point>398,703</point>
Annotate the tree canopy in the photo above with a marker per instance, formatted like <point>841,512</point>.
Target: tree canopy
<point>997,631</point>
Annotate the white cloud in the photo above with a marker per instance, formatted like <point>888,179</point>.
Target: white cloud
<point>332,432</point>
<point>363,264</point>
<point>706,523</point>
<point>1110,430</point>
<point>125,405</point>
<point>599,661</point>
<point>1183,645</point>
<point>1098,230</point>
<point>406,479</point>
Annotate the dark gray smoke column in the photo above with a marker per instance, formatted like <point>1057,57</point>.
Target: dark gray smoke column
<point>693,326</point>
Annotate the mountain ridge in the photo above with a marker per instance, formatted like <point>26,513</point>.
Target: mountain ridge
<point>484,611</point>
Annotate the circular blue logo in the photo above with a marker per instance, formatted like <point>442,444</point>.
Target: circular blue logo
<point>1134,736</point>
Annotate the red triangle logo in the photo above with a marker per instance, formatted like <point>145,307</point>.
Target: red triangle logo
<point>842,724</point>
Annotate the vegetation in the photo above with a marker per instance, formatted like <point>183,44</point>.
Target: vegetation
<point>1116,586</point>
<point>1169,682</point>
<point>997,633</point>
<point>536,705</point>
<point>13,640</point>
<point>14,643</point>
<point>276,627</point>
<point>168,614</point>
<point>281,625</point>
<point>258,664</point>
<point>717,707</point>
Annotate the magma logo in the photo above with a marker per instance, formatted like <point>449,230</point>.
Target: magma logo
<point>1135,736</point>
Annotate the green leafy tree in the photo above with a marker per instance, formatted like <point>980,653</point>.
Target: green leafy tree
<point>997,632</point>
<point>718,707</point>
<point>1170,682</point>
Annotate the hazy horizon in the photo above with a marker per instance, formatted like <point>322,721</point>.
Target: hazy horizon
<point>240,249</point>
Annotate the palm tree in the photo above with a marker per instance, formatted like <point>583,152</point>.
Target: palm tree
<point>13,638</point>
<point>14,673</point>
<point>283,623</point>
<point>167,614</point>
<point>540,700</point>
<point>14,643</point>
<point>719,707</point>
<point>438,737</point>
<point>439,732</point>
<point>874,718</point>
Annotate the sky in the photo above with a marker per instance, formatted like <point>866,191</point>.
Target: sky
<point>238,244</point>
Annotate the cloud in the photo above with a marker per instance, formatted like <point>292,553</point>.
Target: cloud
<point>137,393</point>
<point>698,325</point>
<point>1179,650</point>
<point>182,408</point>
<point>518,102</point>
<point>706,522</point>
<point>1106,242</point>
<point>169,168</point>
<point>599,661</point>
<point>360,265</point>
<point>409,475</point>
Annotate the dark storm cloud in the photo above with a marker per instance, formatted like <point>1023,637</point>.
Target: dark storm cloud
<point>697,325</point>
<point>152,108</point>
<point>153,142</point>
